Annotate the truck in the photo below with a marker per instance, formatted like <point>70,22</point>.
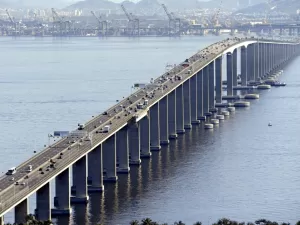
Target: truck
<point>81,126</point>
<point>106,129</point>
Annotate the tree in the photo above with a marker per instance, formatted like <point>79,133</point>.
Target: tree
<point>134,222</point>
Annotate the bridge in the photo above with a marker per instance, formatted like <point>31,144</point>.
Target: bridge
<point>189,94</point>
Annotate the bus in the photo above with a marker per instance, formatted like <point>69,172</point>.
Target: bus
<point>11,171</point>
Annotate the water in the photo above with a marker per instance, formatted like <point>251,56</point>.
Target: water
<point>242,170</point>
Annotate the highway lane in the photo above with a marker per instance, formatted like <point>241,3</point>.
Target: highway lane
<point>118,116</point>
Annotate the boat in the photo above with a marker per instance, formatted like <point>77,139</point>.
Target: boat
<point>269,124</point>
<point>279,84</point>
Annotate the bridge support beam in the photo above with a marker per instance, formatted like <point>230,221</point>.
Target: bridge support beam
<point>218,65</point>
<point>211,87</point>
<point>234,68</point>
<point>95,170</point>
<point>154,128</point>
<point>187,104</point>
<point>163,121</point>
<point>63,194</point>
<point>257,59</point>
<point>179,110</point>
<point>43,203</point>
<point>145,137</point>
<point>229,74</point>
<point>251,65</point>
<point>193,86</point>
<point>80,181</point>
<point>134,144</point>
<point>172,115</point>
<point>200,115</point>
<point>21,211</point>
<point>123,151</point>
<point>110,159</point>
<point>244,64</point>
<point>206,76</point>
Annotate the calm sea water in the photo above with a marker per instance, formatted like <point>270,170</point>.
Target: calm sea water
<point>242,169</point>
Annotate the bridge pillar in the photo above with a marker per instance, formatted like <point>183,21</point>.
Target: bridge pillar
<point>244,68</point>
<point>251,62</point>
<point>80,181</point>
<point>234,68</point>
<point>200,115</point>
<point>21,211</point>
<point>63,194</point>
<point>290,32</point>
<point>110,159</point>
<point>1,220</point>
<point>211,87</point>
<point>229,74</point>
<point>257,62</point>
<point>145,137</point>
<point>281,32</point>
<point>193,86</point>
<point>163,121</point>
<point>154,128</point>
<point>43,203</point>
<point>95,170</point>
<point>218,71</point>
<point>187,104</point>
<point>172,115</point>
<point>179,110</point>
<point>261,61</point>
<point>134,144</point>
<point>122,151</point>
<point>206,76</point>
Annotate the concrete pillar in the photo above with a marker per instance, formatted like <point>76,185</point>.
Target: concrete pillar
<point>206,90</point>
<point>21,211</point>
<point>43,203</point>
<point>172,115</point>
<point>63,193</point>
<point>229,74</point>
<point>257,59</point>
<point>154,128</point>
<point>95,170</point>
<point>211,87</point>
<point>244,68</point>
<point>1,220</point>
<point>234,68</point>
<point>193,86</point>
<point>261,60</point>
<point>122,151</point>
<point>110,159</point>
<point>218,82</point>
<point>251,62</point>
<point>134,144</point>
<point>163,121</point>
<point>179,110</point>
<point>200,114</point>
<point>187,105</point>
<point>80,181</point>
<point>145,137</point>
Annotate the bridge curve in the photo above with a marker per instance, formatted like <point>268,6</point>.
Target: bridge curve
<point>189,94</point>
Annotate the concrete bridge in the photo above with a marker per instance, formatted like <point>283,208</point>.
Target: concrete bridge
<point>189,94</point>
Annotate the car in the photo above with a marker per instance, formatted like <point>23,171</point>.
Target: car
<point>12,179</point>
<point>23,183</point>
<point>17,183</point>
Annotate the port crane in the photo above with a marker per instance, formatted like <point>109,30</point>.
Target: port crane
<point>174,23</point>
<point>64,25</point>
<point>13,22</point>
<point>102,24</point>
<point>133,23</point>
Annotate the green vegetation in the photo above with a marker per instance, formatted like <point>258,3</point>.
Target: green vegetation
<point>32,221</point>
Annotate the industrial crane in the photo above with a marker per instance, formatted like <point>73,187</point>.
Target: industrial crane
<point>133,23</point>
<point>174,23</point>
<point>64,25</point>
<point>12,20</point>
<point>102,24</point>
